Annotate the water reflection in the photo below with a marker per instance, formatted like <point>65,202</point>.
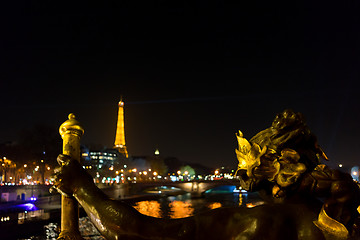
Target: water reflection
<point>215,205</point>
<point>184,206</point>
<point>32,215</point>
<point>175,209</point>
<point>150,208</point>
<point>179,209</point>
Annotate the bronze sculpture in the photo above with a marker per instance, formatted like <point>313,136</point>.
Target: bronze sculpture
<point>285,162</point>
<point>282,162</point>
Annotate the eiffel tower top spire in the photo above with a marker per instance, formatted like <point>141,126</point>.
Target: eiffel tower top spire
<point>120,131</point>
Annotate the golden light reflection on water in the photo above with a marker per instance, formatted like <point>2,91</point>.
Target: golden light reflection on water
<point>215,205</point>
<point>177,209</point>
<point>185,208</point>
<point>150,208</point>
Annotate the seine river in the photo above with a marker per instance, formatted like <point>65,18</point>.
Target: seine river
<point>29,219</point>
<point>184,206</point>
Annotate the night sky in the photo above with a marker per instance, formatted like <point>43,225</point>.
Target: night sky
<point>191,74</point>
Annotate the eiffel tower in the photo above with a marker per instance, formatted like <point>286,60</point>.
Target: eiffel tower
<point>120,132</point>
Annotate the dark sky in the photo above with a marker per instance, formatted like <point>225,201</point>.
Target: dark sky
<point>191,74</point>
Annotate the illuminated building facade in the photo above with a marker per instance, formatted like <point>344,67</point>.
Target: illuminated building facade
<point>120,132</point>
<point>100,159</point>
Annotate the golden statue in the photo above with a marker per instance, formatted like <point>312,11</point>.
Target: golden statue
<point>282,162</point>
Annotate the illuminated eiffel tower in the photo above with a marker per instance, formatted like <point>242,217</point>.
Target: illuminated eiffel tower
<point>120,132</point>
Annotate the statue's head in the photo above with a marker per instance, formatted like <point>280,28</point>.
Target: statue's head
<point>288,119</point>
<point>280,153</point>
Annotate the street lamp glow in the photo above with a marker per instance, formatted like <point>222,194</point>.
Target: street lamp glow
<point>340,165</point>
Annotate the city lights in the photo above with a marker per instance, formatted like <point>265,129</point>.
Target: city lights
<point>4,219</point>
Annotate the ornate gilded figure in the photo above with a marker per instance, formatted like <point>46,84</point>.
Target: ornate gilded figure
<point>248,155</point>
<point>291,167</point>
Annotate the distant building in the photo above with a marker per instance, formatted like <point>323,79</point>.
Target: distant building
<point>157,152</point>
<point>100,159</point>
<point>105,165</point>
<point>119,144</point>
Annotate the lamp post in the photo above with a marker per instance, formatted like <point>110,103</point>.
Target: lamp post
<point>71,132</point>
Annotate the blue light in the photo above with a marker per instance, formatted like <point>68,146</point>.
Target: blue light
<point>27,206</point>
<point>33,199</point>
